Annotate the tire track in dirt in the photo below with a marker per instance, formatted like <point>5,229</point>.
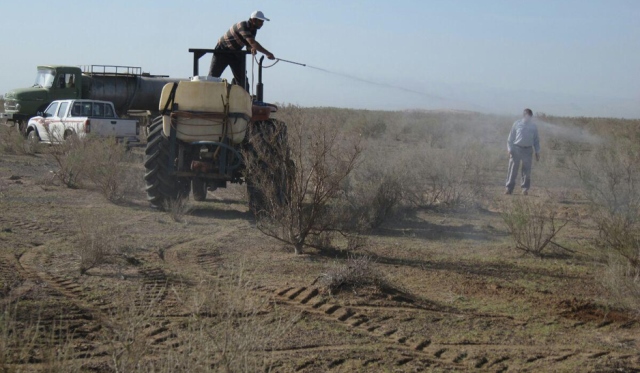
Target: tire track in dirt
<point>453,355</point>
<point>90,313</point>
<point>69,319</point>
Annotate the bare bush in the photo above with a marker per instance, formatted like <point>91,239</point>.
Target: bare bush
<point>354,273</point>
<point>611,180</point>
<point>107,167</point>
<point>532,224</point>
<point>295,184</point>
<point>12,142</point>
<point>177,209</point>
<point>622,281</point>
<point>98,243</point>
<point>102,162</point>
<point>70,156</point>
<point>416,177</point>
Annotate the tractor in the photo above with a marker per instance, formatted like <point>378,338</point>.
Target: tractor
<point>206,128</point>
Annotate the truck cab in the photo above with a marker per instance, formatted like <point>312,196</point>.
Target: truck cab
<point>52,83</point>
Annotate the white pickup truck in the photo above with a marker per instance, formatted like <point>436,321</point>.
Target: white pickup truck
<point>64,118</point>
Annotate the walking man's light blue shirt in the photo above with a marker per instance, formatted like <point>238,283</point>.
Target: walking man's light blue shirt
<point>524,133</point>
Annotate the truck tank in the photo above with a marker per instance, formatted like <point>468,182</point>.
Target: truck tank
<point>129,89</point>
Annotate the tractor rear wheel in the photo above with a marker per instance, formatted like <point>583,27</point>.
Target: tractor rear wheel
<point>161,187</point>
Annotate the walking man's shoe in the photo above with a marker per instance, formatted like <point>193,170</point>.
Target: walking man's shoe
<point>507,191</point>
<point>525,192</point>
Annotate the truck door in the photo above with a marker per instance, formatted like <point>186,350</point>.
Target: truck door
<point>65,87</point>
<point>48,134</point>
<point>56,125</point>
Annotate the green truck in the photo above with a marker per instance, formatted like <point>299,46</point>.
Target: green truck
<point>132,92</point>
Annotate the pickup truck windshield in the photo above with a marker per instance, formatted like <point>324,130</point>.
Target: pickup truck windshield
<point>45,78</point>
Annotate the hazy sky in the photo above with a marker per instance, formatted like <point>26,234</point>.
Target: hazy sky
<point>558,57</point>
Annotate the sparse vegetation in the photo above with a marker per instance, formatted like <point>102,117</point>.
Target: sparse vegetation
<point>161,297</point>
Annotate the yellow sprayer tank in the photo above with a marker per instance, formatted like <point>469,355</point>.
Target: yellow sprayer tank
<point>201,112</point>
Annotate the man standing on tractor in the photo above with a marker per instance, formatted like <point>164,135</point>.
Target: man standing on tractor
<point>522,142</point>
<point>239,35</point>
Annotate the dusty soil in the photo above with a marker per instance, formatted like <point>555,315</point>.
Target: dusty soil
<point>462,298</point>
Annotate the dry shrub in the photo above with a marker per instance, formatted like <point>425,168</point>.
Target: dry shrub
<point>622,282</point>
<point>12,142</point>
<point>452,177</point>
<point>108,167</point>
<point>98,243</point>
<point>177,209</point>
<point>392,179</point>
<point>71,156</point>
<point>355,273</point>
<point>532,224</point>
<point>374,191</point>
<point>611,180</point>
<point>102,162</point>
<point>295,186</point>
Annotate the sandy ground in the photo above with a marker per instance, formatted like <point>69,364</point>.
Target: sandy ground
<point>462,298</point>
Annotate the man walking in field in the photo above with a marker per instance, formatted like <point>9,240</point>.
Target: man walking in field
<point>522,142</point>
<point>237,37</point>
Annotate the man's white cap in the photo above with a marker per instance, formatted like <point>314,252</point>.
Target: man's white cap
<point>259,15</point>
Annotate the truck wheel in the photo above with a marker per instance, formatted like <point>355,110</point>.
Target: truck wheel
<point>161,187</point>
<point>199,189</point>
<point>21,127</point>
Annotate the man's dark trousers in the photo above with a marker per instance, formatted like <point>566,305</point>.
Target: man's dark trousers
<point>234,59</point>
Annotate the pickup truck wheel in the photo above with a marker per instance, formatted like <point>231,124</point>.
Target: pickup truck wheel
<point>199,189</point>
<point>32,141</point>
<point>161,187</point>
